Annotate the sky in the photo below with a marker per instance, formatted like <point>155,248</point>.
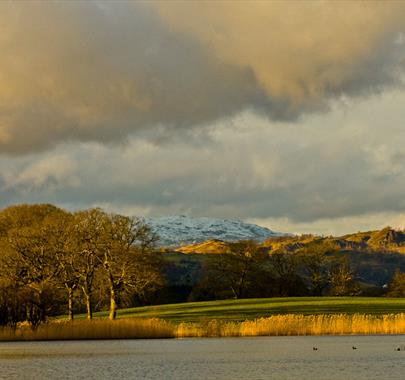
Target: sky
<point>286,114</point>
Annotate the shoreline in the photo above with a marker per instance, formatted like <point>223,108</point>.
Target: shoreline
<point>276,325</point>
<point>198,337</point>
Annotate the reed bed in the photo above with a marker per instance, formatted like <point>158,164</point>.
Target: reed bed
<point>277,325</point>
<point>295,324</point>
<point>130,328</point>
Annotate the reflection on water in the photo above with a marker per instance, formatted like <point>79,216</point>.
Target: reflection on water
<point>375,357</point>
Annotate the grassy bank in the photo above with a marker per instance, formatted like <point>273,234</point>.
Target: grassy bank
<point>241,310</point>
<point>277,325</point>
<point>248,317</point>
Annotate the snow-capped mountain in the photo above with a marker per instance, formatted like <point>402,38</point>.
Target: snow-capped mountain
<point>183,230</point>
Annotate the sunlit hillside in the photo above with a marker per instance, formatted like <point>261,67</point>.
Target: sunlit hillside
<point>209,246</point>
<point>384,240</point>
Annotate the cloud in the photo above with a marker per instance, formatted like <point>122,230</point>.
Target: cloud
<point>77,71</point>
<point>337,226</point>
<point>281,112</point>
<point>99,71</point>
<point>46,175</point>
<point>332,173</point>
<point>299,51</point>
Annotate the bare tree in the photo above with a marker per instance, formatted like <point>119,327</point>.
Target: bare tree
<point>86,243</point>
<point>396,287</point>
<point>285,265</point>
<point>237,269</point>
<point>67,256</point>
<point>341,279</point>
<point>129,259</point>
<point>316,261</point>
<point>30,262</point>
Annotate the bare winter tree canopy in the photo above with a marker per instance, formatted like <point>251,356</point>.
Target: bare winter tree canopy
<point>49,255</point>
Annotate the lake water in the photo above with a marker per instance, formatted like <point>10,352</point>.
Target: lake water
<point>228,358</point>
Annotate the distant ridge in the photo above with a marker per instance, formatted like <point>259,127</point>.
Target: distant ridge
<point>180,230</point>
<point>386,240</point>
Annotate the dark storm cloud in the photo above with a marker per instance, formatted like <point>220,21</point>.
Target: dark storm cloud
<point>98,71</point>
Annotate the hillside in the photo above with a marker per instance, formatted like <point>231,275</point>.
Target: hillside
<point>373,256</point>
<point>384,240</point>
<point>181,230</point>
<point>214,246</point>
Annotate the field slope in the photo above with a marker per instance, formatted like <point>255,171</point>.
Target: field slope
<point>240,310</point>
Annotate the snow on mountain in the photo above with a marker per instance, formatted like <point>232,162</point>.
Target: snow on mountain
<point>184,230</point>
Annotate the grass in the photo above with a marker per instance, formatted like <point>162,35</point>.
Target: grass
<point>249,309</point>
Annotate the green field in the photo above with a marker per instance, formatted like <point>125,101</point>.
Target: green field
<point>240,310</point>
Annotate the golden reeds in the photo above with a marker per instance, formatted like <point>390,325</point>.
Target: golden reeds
<point>130,328</point>
<point>277,325</point>
<point>296,324</point>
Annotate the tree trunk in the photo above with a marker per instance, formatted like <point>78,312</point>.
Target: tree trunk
<point>235,294</point>
<point>241,285</point>
<point>89,307</point>
<point>70,304</point>
<point>113,304</point>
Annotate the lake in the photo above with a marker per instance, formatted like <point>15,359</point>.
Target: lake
<point>227,358</point>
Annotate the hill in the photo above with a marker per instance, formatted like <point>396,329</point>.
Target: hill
<point>182,230</point>
<point>214,246</point>
<point>384,240</point>
<point>372,258</point>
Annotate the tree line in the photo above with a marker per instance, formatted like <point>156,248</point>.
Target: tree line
<point>49,256</point>
<point>248,270</point>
